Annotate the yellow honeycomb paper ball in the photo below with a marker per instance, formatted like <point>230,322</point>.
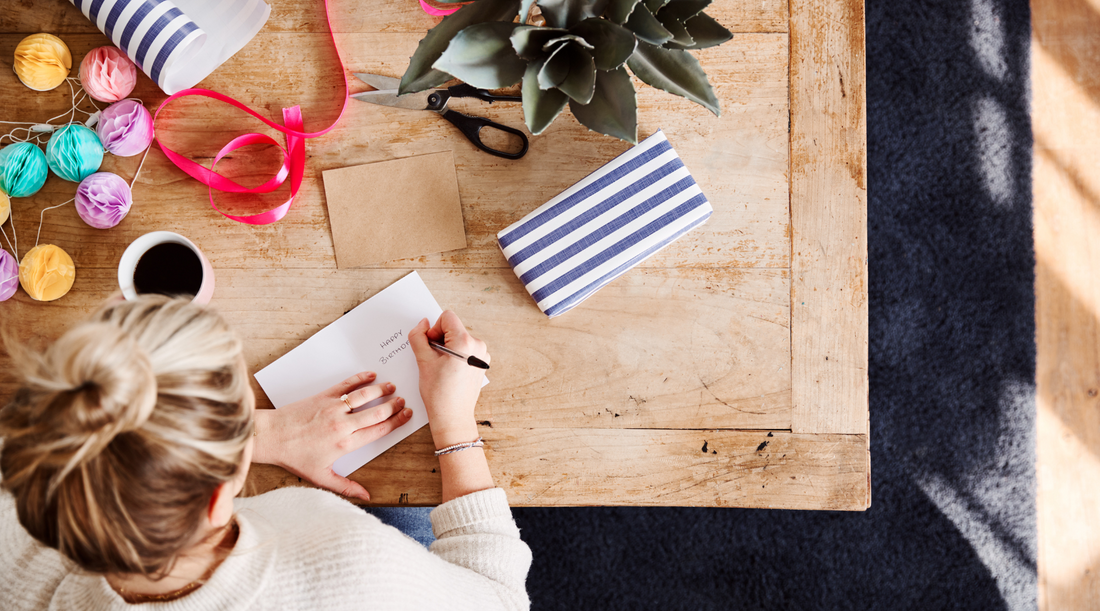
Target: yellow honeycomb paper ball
<point>47,272</point>
<point>42,61</point>
<point>5,207</point>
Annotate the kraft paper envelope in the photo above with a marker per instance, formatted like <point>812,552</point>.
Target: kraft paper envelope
<point>394,209</point>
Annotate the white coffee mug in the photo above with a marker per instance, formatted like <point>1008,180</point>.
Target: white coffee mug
<point>140,246</point>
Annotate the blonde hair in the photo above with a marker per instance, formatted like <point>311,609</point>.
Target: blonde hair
<point>123,429</point>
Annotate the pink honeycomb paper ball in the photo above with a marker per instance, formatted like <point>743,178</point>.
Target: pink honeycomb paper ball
<point>107,74</point>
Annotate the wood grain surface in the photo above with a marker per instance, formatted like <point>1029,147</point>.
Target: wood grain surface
<point>702,468</point>
<point>1065,75</point>
<point>829,217</point>
<point>610,404</point>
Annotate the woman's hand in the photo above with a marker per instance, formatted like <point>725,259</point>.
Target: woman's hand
<point>449,386</point>
<point>306,437</point>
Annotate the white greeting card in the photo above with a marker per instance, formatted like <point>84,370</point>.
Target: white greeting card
<point>372,337</point>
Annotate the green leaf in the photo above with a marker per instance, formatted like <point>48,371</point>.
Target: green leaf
<point>679,33</point>
<point>540,107</point>
<point>554,69</point>
<point>564,13</point>
<point>581,81</point>
<point>568,37</point>
<point>682,10</point>
<point>646,27</point>
<point>571,69</point>
<point>654,5</point>
<point>613,109</point>
<point>420,75</point>
<point>482,55</point>
<point>528,40</point>
<point>619,10</point>
<point>613,44</point>
<point>705,31</point>
<point>675,72</point>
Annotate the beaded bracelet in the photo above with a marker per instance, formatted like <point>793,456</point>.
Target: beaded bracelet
<point>458,447</point>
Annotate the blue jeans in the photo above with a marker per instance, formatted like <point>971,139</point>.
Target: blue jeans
<point>413,521</point>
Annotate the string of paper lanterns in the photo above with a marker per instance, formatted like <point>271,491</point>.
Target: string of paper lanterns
<point>73,152</point>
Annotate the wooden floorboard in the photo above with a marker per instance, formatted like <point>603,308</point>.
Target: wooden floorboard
<point>1066,122</point>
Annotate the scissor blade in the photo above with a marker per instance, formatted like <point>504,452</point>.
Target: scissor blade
<point>378,81</point>
<point>412,101</point>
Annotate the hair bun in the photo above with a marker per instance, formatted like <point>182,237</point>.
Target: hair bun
<point>102,385</point>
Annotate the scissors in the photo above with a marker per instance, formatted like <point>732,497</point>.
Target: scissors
<point>436,100</point>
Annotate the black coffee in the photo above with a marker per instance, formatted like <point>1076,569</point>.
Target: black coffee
<point>168,269</point>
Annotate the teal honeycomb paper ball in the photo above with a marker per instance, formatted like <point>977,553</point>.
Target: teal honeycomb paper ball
<point>74,152</point>
<point>22,169</point>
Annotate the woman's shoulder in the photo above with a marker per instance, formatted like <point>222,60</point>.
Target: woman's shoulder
<point>311,517</point>
<point>299,506</point>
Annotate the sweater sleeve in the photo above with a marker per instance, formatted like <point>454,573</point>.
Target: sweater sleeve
<point>477,532</point>
<point>29,571</point>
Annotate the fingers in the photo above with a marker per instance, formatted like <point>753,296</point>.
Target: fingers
<point>341,485</point>
<point>448,330</point>
<point>455,333</point>
<point>366,435</point>
<point>355,381</point>
<point>376,414</point>
<point>452,327</point>
<point>436,333</point>
<point>362,396</point>
<point>418,339</point>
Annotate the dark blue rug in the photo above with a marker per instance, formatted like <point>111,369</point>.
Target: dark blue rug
<point>952,370</point>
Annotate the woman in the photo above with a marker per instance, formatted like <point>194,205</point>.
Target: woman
<point>132,434</point>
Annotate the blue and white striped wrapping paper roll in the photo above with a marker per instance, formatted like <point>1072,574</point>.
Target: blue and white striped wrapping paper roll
<point>596,230</point>
<point>177,43</point>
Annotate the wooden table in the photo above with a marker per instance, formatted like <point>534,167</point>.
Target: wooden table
<point>728,370</point>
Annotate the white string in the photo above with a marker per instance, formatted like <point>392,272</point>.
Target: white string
<point>14,139</point>
<point>77,97</point>
<point>42,219</point>
<point>72,110</point>
<point>11,217</point>
<point>138,172</point>
<point>14,251</point>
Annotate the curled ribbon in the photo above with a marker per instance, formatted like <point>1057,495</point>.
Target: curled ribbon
<point>294,155</point>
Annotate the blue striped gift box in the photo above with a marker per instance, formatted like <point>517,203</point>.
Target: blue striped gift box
<point>599,228</point>
<point>177,43</point>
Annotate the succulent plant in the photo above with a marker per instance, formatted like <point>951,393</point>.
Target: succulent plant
<point>579,57</point>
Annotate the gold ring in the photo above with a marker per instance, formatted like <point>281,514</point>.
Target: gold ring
<point>344,398</point>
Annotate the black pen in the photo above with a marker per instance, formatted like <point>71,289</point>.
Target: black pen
<point>472,361</point>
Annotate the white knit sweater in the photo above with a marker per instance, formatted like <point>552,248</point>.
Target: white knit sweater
<point>302,548</point>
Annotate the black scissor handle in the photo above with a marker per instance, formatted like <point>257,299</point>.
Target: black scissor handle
<point>471,127</point>
<point>466,90</point>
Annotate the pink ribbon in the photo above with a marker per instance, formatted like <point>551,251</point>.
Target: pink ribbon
<point>294,155</point>
<point>431,10</point>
